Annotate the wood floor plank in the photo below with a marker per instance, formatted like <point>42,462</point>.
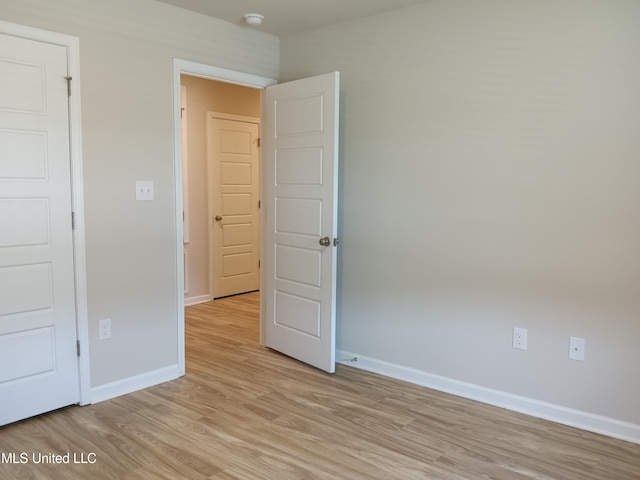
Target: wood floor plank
<point>244,412</point>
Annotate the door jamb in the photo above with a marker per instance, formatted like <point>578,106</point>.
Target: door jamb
<point>72,44</point>
<point>210,72</point>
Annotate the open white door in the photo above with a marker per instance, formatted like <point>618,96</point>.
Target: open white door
<point>300,161</point>
<point>38,359</point>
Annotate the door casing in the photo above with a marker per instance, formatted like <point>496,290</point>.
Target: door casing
<point>72,44</point>
<point>210,72</point>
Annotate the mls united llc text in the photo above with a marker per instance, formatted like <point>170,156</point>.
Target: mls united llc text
<point>52,458</point>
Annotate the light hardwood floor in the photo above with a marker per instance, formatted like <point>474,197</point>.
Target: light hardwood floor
<point>246,413</point>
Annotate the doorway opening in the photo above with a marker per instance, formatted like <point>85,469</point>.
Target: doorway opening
<point>221,188</point>
<point>193,69</point>
<point>297,304</point>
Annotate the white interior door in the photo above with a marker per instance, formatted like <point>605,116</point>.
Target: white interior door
<point>234,199</point>
<point>300,161</point>
<point>38,359</point>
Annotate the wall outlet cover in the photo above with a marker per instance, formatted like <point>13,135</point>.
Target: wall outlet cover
<point>520,338</point>
<point>577,348</point>
<point>104,329</point>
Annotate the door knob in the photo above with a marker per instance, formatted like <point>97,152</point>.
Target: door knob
<point>325,241</point>
<point>218,218</point>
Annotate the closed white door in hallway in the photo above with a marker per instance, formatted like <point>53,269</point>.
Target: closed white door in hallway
<point>234,183</point>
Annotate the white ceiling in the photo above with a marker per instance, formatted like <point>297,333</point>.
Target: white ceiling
<point>288,16</point>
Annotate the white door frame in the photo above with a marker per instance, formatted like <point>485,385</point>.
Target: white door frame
<point>72,44</point>
<point>210,72</point>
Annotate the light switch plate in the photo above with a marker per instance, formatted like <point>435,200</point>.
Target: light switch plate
<point>144,190</point>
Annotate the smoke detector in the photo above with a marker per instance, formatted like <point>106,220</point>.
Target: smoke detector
<point>253,19</point>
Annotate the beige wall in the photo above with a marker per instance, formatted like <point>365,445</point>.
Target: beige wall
<point>127,49</point>
<point>490,180</point>
<point>207,96</point>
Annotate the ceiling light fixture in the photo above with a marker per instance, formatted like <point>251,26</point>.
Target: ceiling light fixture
<point>253,19</point>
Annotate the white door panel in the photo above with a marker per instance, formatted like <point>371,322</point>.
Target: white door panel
<point>301,177</point>
<point>38,361</point>
<point>234,172</point>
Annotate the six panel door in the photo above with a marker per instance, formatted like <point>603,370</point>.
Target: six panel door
<point>38,358</point>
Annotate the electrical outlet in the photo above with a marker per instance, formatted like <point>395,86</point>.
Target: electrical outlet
<point>520,338</point>
<point>577,347</point>
<point>104,329</point>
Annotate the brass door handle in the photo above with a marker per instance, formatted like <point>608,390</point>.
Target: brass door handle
<point>325,241</point>
<point>218,218</point>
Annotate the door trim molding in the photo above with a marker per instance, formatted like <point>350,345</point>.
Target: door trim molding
<point>210,72</point>
<point>232,117</point>
<point>72,44</point>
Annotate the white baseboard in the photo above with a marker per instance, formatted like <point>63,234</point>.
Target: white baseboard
<point>555,413</point>
<point>197,300</point>
<point>132,384</point>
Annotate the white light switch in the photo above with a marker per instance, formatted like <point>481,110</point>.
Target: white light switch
<point>144,190</point>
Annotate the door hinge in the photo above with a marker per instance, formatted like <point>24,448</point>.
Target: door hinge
<point>258,142</point>
<point>68,79</point>
<point>259,204</point>
<point>78,347</point>
<point>181,111</point>
<point>258,263</point>
<point>73,220</point>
